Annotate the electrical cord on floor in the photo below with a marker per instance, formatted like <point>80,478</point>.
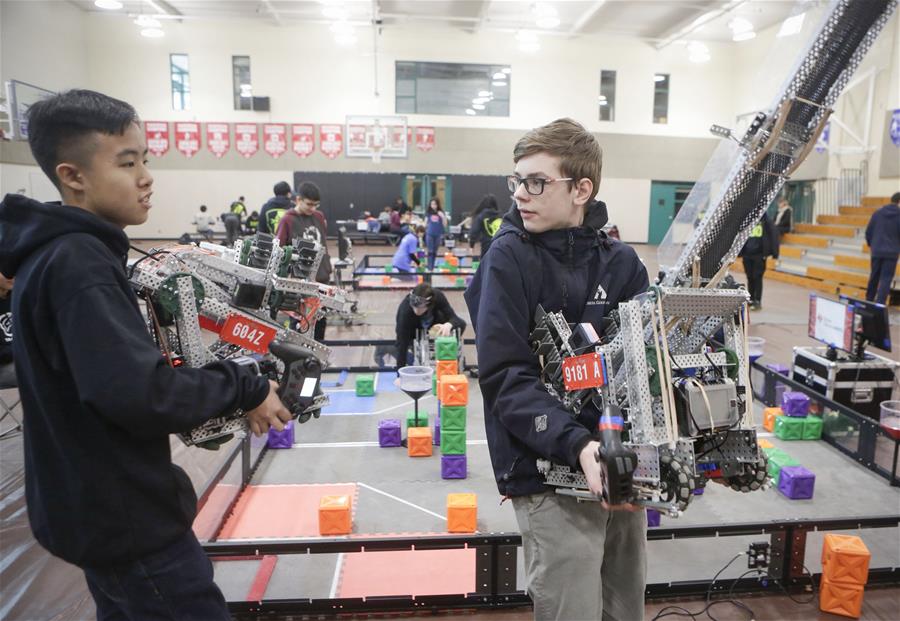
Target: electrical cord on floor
<point>678,611</point>
<point>812,585</point>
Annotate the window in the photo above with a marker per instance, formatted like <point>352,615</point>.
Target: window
<point>181,81</point>
<point>452,88</point>
<point>661,98</point>
<point>243,91</point>
<point>607,100</point>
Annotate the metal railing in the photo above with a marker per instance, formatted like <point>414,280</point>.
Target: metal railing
<point>846,190</point>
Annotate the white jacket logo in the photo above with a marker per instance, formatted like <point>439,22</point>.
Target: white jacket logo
<point>599,296</point>
<point>6,327</point>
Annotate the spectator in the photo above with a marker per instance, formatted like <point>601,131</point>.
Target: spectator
<point>204,223</point>
<point>401,206</point>
<point>783,217</point>
<point>232,227</point>
<point>252,223</point>
<point>883,237</point>
<point>485,222</point>
<point>434,230</point>
<point>239,208</point>
<point>275,208</point>
<point>384,219</point>
<point>406,253</point>
<point>762,243</point>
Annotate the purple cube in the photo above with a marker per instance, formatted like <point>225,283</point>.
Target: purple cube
<point>281,439</point>
<point>453,467</point>
<point>436,436</point>
<point>698,491</point>
<point>796,482</point>
<point>778,368</point>
<point>795,404</point>
<point>652,517</point>
<point>389,432</point>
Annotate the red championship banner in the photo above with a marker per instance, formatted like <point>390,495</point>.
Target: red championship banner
<point>187,138</point>
<point>425,138</point>
<point>396,137</point>
<point>303,139</point>
<point>275,139</point>
<point>218,138</point>
<point>331,140</point>
<point>356,136</point>
<point>246,139</point>
<point>157,133</point>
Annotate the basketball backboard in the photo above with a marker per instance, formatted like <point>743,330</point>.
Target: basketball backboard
<point>376,137</point>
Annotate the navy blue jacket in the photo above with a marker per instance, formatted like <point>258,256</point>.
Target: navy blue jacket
<point>883,232</point>
<point>578,271</point>
<point>99,398</point>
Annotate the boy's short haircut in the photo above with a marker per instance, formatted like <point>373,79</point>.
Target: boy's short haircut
<point>59,125</point>
<point>895,197</point>
<point>309,191</point>
<point>420,229</point>
<point>579,153</point>
<point>282,188</point>
<point>202,207</point>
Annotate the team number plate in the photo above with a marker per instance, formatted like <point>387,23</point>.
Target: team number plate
<point>580,372</point>
<point>246,333</point>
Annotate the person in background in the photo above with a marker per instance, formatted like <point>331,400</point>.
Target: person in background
<point>783,218</point>
<point>239,208</point>
<point>424,308</point>
<point>396,225</point>
<point>232,227</point>
<point>485,222</point>
<point>204,223</point>
<point>883,237</point>
<point>275,208</point>
<point>762,243</point>
<point>372,223</point>
<point>406,253</point>
<point>384,220</point>
<point>401,206</point>
<point>251,225</point>
<point>434,230</point>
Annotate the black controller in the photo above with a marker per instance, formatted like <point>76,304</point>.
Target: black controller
<point>299,385</point>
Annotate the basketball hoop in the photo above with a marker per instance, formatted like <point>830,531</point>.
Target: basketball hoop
<point>376,154</point>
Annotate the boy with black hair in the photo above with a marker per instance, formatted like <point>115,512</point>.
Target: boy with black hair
<point>275,208</point>
<point>204,223</point>
<point>583,559</point>
<point>883,237</point>
<point>424,308</point>
<point>304,222</point>
<point>99,398</point>
<point>762,243</point>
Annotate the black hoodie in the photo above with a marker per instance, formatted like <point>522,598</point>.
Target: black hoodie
<point>99,399</point>
<point>578,271</point>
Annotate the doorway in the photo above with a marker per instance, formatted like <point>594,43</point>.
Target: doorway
<point>666,199</point>
<point>418,191</point>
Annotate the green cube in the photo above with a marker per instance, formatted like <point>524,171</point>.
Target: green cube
<point>789,427</point>
<point>779,461</point>
<point>475,265</point>
<point>452,442</point>
<point>454,269</point>
<point>445,348</point>
<point>771,449</point>
<point>460,282</point>
<point>812,428</point>
<point>434,385</point>
<point>453,418</point>
<point>388,268</point>
<point>365,385</point>
<point>420,269</point>
<point>411,420</point>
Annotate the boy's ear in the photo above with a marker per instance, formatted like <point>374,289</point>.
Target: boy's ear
<point>584,191</point>
<point>70,176</point>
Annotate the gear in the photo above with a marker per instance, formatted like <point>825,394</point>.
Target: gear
<point>754,477</point>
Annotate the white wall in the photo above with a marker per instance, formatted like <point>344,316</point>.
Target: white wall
<point>31,179</point>
<point>628,202</point>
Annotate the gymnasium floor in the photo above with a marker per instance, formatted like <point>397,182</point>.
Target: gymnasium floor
<point>393,493</point>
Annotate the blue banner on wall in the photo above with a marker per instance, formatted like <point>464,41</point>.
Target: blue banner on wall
<point>895,128</point>
<point>822,142</point>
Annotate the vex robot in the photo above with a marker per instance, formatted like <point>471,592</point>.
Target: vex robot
<point>211,303</point>
<point>670,374</point>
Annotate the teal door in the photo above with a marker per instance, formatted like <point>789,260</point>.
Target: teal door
<point>666,198</point>
<point>418,190</point>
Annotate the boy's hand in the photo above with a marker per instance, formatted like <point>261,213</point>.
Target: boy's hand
<point>269,413</point>
<point>593,472</point>
<point>445,329</point>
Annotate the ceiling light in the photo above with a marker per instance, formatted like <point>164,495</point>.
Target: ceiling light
<point>499,76</point>
<point>109,5</point>
<point>506,70</point>
<point>542,9</point>
<point>499,83</point>
<point>152,33</point>
<point>481,100</point>
<point>478,106</point>
<point>698,52</point>
<point>603,103</point>
<point>791,26</point>
<point>659,78</point>
<point>526,36</point>
<point>470,112</point>
<point>602,97</point>
<point>342,28</point>
<point>550,21</point>
<point>485,94</point>
<point>334,12</point>
<point>145,21</point>
<point>739,24</point>
<point>743,36</point>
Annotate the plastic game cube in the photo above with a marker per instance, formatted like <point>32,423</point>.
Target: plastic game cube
<point>385,280</point>
<point>795,404</point>
<point>446,348</point>
<point>453,442</point>
<point>281,439</point>
<point>789,428</point>
<point>436,437</point>
<point>389,432</point>
<point>764,444</point>
<point>462,513</point>
<point>365,385</point>
<point>812,428</point>
<point>845,560</point>
<point>475,265</point>
<point>446,367</point>
<point>769,416</point>
<point>334,515</point>
<point>418,442</point>
<point>434,385</point>
<point>796,482</point>
<point>652,518</point>
<point>778,460</point>
<point>453,417</point>
<point>454,390</point>
<point>841,599</point>
<point>388,268</point>
<point>453,467</point>
<point>460,281</point>
<point>411,420</point>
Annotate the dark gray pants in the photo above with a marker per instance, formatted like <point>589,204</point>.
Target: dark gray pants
<point>582,561</point>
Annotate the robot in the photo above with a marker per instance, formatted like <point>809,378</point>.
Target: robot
<point>235,295</point>
<point>670,375</point>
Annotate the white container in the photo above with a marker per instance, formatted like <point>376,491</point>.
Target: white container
<point>415,380</point>
<point>755,347</point>
<point>890,418</point>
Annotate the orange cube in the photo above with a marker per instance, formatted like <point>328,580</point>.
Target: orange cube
<point>453,260</point>
<point>462,513</point>
<point>334,515</point>
<point>769,415</point>
<point>385,280</point>
<point>453,390</point>
<point>446,367</point>
<point>418,442</point>
<point>763,443</point>
<point>840,599</point>
<point>845,560</point>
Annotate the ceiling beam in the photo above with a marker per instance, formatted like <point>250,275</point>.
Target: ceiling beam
<point>164,8</point>
<point>585,17</point>
<point>483,11</point>
<point>685,27</point>
<point>273,12</point>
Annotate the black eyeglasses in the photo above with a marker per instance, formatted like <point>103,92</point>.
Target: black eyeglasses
<point>533,185</point>
<point>417,301</point>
